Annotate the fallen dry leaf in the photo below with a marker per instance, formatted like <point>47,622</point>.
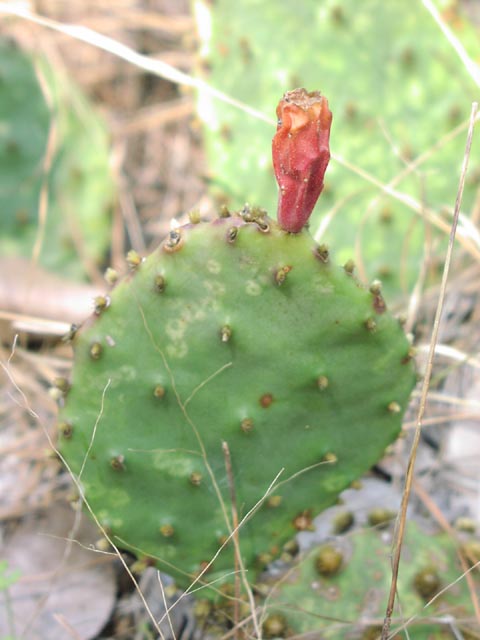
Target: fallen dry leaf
<point>66,590</point>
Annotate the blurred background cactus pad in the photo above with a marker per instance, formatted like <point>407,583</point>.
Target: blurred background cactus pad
<point>339,588</point>
<point>56,189</point>
<point>398,92</point>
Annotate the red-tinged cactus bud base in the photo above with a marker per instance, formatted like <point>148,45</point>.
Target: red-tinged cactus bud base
<point>300,151</point>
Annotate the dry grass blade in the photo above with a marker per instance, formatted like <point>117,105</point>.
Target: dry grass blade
<point>156,67</point>
<point>68,628</point>
<point>47,166</point>
<point>161,114</point>
<point>472,68</point>
<point>466,238</point>
<point>443,522</point>
<point>426,384</point>
<point>233,497</point>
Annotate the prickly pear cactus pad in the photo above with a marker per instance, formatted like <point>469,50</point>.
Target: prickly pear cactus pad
<point>231,331</point>
<point>396,87</point>
<point>340,588</point>
<point>78,182</point>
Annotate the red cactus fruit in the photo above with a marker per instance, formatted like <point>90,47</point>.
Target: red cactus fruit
<point>300,152</point>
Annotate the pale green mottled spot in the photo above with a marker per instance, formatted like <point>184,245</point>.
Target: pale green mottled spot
<point>186,315</point>
<point>119,497</point>
<point>325,287</point>
<point>253,288</point>
<point>334,483</point>
<point>214,266</point>
<point>169,551</point>
<point>128,372</point>
<point>123,374</point>
<point>103,517</point>
<point>199,314</point>
<point>215,287</point>
<point>177,350</point>
<point>172,464</point>
<point>175,329</point>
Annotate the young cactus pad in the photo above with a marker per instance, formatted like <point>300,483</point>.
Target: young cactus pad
<point>233,331</point>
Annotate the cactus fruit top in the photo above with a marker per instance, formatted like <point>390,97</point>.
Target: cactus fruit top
<point>232,331</point>
<point>300,152</point>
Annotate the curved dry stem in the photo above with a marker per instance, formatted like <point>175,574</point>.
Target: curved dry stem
<point>402,518</point>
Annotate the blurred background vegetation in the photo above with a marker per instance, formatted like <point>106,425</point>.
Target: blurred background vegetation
<point>77,185</point>
<point>399,94</point>
<point>98,155</point>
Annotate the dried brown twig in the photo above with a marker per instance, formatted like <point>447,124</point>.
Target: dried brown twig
<point>402,518</point>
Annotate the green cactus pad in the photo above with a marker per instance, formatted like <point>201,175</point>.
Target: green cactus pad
<point>395,87</point>
<point>78,182</point>
<point>351,603</point>
<point>231,331</point>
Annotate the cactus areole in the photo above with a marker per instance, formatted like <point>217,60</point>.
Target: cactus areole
<point>240,331</point>
<point>301,153</point>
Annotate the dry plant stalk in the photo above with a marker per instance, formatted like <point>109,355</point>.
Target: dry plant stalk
<point>402,517</point>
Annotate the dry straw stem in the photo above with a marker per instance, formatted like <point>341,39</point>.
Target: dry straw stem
<point>156,67</point>
<point>467,569</point>
<point>47,165</point>
<point>401,522</point>
<point>413,166</point>
<point>236,541</point>
<point>472,68</point>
